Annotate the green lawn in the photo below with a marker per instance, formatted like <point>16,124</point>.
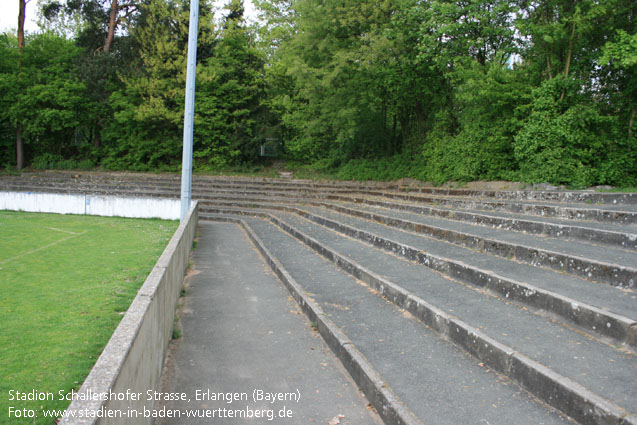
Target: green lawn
<point>65,283</point>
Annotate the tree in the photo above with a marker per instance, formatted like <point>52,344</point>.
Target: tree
<point>229,91</point>
<point>19,144</point>
<point>97,23</point>
<point>621,54</point>
<point>145,131</point>
<point>8,73</point>
<point>331,100</point>
<point>47,100</point>
<point>565,139</point>
<point>100,19</point>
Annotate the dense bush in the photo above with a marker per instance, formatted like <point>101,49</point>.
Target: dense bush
<point>384,168</point>
<point>564,140</point>
<point>50,161</point>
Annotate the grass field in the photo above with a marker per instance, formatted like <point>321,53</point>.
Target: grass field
<point>65,283</point>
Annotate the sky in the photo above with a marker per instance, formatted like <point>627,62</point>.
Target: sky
<point>9,14</point>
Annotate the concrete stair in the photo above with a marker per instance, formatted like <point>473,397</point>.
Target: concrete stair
<point>446,306</point>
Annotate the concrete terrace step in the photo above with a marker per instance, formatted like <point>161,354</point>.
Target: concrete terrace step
<point>514,205</point>
<point>557,390</point>
<point>404,241</point>
<point>524,247</point>
<point>539,195</point>
<point>542,207</point>
<point>535,337</point>
<point>399,232</point>
<point>34,186</point>
<point>548,226</point>
<point>605,213</point>
<point>613,210</point>
<point>611,265</point>
<point>596,308</point>
<point>403,351</point>
<point>597,232</point>
<point>580,197</point>
<point>624,236</point>
<point>583,199</point>
<point>596,365</point>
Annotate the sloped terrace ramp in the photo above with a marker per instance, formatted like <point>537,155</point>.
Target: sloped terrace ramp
<point>433,306</point>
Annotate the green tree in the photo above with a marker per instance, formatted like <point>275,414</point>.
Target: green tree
<point>335,66</point>
<point>44,96</point>
<point>487,100</point>
<point>8,72</point>
<point>94,24</point>
<point>145,132</point>
<point>619,57</point>
<point>229,90</point>
<point>470,44</point>
<point>565,139</point>
<point>19,142</point>
<point>573,41</point>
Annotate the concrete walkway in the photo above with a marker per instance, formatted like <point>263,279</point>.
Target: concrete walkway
<point>244,337</point>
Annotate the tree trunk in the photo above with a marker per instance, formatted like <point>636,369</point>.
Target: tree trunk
<point>567,68</point>
<point>97,139</point>
<point>21,16</point>
<point>112,24</point>
<point>19,148</point>
<point>394,136</point>
<point>631,123</point>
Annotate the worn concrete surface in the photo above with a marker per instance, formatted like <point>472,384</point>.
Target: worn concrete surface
<point>242,332</point>
<point>597,366</point>
<point>435,380</point>
<point>613,299</point>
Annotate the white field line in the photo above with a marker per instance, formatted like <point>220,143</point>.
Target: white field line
<point>42,247</point>
<point>61,230</point>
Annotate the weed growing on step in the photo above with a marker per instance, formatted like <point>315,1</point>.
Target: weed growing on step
<point>176,328</point>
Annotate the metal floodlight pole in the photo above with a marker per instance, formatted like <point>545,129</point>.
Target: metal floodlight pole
<point>189,112</point>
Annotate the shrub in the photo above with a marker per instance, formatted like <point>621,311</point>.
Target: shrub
<point>564,140</point>
<point>49,161</point>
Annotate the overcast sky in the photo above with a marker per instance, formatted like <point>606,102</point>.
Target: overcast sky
<point>9,14</point>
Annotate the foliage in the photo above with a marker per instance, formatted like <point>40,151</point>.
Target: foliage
<point>565,139</point>
<point>388,168</point>
<point>49,161</point>
<point>437,90</point>
<point>144,133</point>
<point>46,95</point>
<point>227,102</point>
<point>8,63</point>
<point>485,122</point>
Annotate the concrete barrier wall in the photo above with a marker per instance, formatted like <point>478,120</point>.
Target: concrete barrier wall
<point>120,206</point>
<point>133,359</point>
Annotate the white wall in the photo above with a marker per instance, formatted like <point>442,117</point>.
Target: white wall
<point>91,205</point>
